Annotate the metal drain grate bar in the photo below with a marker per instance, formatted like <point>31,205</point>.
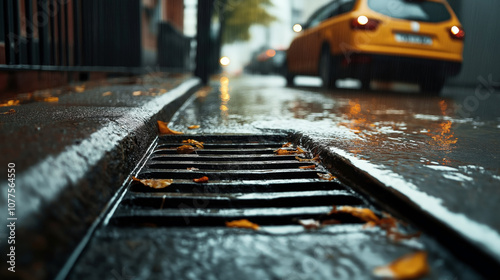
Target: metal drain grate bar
<point>247,180</point>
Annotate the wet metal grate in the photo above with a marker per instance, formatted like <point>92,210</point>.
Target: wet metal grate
<point>247,180</point>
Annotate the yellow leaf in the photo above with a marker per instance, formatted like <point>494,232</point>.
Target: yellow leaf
<point>155,183</point>
<point>194,142</point>
<point>137,93</point>
<point>410,266</point>
<point>10,103</point>
<point>107,93</point>
<point>185,149</point>
<point>203,179</point>
<point>163,128</point>
<point>193,127</point>
<point>244,223</point>
<point>364,214</point>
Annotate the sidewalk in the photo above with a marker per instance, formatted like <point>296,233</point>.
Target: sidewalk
<point>72,149</point>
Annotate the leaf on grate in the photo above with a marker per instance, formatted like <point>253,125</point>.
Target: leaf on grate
<point>316,158</point>
<point>163,128</point>
<point>244,223</point>
<point>193,127</point>
<point>364,214</point>
<point>185,149</point>
<point>308,167</point>
<point>409,266</point>
<point>203,179</point>
<point>194,142</point>
<point>282,151</point>
<point>328,176</point>
<point>154,183</point>
<point>309,223</point>
<point>192,168</point>
<point>11,111</point>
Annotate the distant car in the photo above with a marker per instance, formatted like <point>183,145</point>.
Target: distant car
<point>409,40</point>
<point>267,61</point>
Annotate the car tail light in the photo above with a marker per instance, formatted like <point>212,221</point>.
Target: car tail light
<point>364,23</point>
<point>457,32</point>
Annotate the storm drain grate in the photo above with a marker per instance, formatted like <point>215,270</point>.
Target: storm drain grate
<point>247,180</point>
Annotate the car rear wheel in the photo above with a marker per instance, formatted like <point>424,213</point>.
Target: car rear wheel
<point>326,69</point>
<point>432,84</point>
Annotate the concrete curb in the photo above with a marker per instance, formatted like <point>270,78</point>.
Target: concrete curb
<point>70,190</point>
<point>405,209</point>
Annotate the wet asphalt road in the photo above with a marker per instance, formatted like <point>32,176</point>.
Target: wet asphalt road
<point>442,152</point>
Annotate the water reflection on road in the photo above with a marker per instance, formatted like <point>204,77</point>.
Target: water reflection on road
<point>420,140</point>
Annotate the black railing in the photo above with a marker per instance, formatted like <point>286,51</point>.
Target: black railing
<point>83,35</point>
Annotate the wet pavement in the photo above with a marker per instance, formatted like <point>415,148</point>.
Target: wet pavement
<point>441,152</point>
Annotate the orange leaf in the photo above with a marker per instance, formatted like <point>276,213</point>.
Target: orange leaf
<point>155,183</point>
<point>316,158</point>
<point>203,179</point>
<point>410,266</point>
<point>244,223</point>
<point>194,142</point>
<point>163,128</point>
<point>328,176</point>
<point>193,127</point>
<point>185,149</point>
<point>364,214</point>
<point>51,99</point>
<point>107,93</point>
<point>330,222</point>
<point>308,167</point>
<point>11,111</point>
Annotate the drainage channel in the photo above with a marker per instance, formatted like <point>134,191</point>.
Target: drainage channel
<point>179,232</point>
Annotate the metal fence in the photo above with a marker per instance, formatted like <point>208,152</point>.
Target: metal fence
<point>81,35</point>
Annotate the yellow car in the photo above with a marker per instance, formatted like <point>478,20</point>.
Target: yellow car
<point>409,40</point>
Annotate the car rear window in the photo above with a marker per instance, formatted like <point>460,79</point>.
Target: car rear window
<point>418,10</point>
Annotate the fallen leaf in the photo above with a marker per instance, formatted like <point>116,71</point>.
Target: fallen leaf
<point>163,128</point>
<point>11,111</point>
<point>194,142</point>
<point>155,183</point>
<point>308,167</point>
<point>192,168</point>
<point>282,151</point>
<point>310,224</point>
<point>328,176</point>
<point>80,88</point>
<point>185,149</point>
<point>193,127</point>
<point>409,266</point>
<point>316,158</point>
<point>107,93</point>
<point>203,179</point>
<point>10,103</point>
<point>162,91</point>
<point>364,214</point>
<point>244,223</point>
<point>137,93</point>
<point>51,99</point>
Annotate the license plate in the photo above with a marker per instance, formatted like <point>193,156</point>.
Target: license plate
<point>413,39</point>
